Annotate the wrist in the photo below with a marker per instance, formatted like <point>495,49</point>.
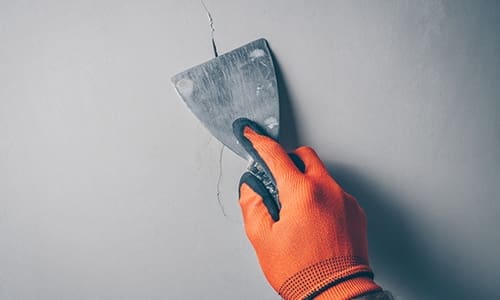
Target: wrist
<point>349,289</point>
<point>336,278</point>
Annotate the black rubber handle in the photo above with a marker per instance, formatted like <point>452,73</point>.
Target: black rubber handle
<point>259,176</point>
<point>260,173</point>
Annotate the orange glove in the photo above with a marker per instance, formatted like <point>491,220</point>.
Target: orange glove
<point>317,246</point>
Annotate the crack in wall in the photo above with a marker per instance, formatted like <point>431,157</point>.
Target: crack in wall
<point>219,179</point>
<point>221,152</point>
<point>212,28</point>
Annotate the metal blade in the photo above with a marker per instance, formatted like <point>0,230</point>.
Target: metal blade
<point>240,83</point>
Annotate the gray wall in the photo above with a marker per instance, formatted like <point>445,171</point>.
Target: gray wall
<point>108,183</point>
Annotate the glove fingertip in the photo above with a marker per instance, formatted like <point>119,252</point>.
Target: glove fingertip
<point>240,124</point>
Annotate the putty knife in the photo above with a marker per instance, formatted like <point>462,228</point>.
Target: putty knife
<point>238,84</point>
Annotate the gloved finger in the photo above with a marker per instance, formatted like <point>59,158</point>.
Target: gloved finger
<point>264,149</point>
<point>256,216</point>
<point>312,163</point>
<point>258,187</point>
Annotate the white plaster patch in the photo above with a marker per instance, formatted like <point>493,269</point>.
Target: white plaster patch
<point>271,122</point>
<point>185,87</point>
<point>257,53</point>
<point>257,91</point>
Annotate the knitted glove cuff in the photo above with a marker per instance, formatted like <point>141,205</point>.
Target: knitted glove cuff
<point>349,289</point>
<point>338,276</point>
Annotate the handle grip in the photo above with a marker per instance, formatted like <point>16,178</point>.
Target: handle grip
<point>258,171</point>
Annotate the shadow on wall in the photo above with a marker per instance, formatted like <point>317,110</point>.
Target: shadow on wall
<point>288,130</point>
<point>391,240</point>
<point>395,248</point>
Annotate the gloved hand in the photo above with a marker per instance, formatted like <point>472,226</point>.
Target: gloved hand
<point>318,246</point>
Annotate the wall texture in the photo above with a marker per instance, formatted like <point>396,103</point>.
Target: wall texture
<point>108,183</point>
